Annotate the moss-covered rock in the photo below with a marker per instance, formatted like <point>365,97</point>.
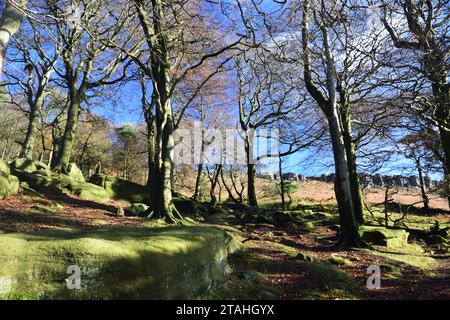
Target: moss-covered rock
<point>137,209</point>
<point>119,189</point>
<point>24,165</point>
<point>88,191</point>
<point>4,167</point>
<point>391,238</point>
<point>189,207</point>
<point>75,173</point>
<point>9,185</point>
<point>115,263</point>
<point>340,261</point>
<point>46,184</point>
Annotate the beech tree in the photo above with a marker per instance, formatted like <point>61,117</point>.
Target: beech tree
<point>34,81</point>
<point>419,30</point>
<point>163,24</point>
<point>327,100</point>
<point>88,69</point>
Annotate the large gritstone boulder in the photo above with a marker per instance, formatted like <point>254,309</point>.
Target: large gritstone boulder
<point>4,167</point>
<point>75,173</point>
<point>88,191</point>
<point>119,189</point>
<point>53,184</point>
<point>114,263</point>
<point>9,185</point>
<point>137,209</point>
<point>23,165</point>
<point>384,237</point>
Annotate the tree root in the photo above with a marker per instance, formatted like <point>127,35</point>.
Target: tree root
<point>171,216</point>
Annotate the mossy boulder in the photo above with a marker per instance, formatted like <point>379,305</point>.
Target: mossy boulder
<point>9,185</point>
<point>390,238</point>
<point>88,191</point>
<point>75,173</point>
<point>137,209</point>
<point>188,206</point>
<point>120,189</point>
<point>115,263</point>
<point>23,165</point>
<point>55,184</point>
<point>4,167</point>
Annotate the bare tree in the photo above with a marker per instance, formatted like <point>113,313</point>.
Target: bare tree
<point>420,30</point>
<point>327,102</point>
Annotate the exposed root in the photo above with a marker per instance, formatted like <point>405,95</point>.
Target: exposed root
<point>171,216</point>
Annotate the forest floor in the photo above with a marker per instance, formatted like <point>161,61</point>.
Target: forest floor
<point>278,262</point>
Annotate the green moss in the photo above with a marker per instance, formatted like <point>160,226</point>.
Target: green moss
<point>120,189</point>
<point>325,281</point>
<point>125,262</point>
<point>45,184</point>
<point>138,207</point>
<point>340,261</point>
<point>19,295</point>
<point>391,238</point>
<point>416,261</point>
<point>391,272</point>
<point>245,289</point>
<point>75,173</point>
<point>88,191</point>
<point>9,185</point>
<point>289,250</point>
<point>4,167</point>
<point>24,165</point>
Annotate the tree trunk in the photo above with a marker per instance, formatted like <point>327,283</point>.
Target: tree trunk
<point>68,140</point>
<point>251,169</point>
<point>280,172</point>
<point>355,185</point>
<point>28,143</point>
<point>9,24</point>
<point>214,181</point>
<point>349,229</point>
<point>426,201</point>
<point>162,204</point>
<point>251,188</point>
<point>230,193</point>
<point>445,141</point>
<point>441,93</point>
<point>150,151</point>
<point>348,226</point>
<point>196,195</point>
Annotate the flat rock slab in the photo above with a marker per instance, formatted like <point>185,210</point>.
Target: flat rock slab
<point>113,263</point>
